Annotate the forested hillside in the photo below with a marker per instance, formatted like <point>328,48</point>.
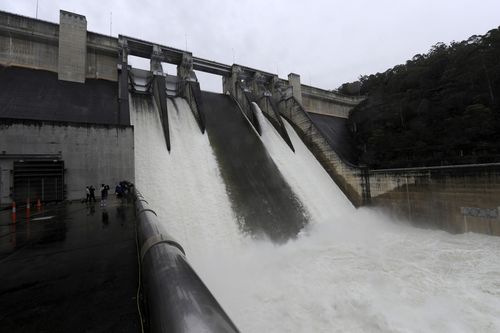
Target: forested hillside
<point>439,108</point>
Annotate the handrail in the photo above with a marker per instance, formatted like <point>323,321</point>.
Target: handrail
<point>176,299</point>
<point>331,95</point>
<point>436,167</point>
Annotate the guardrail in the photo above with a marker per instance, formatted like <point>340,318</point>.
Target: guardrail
<point>331,95</point>
<point>176,299</point>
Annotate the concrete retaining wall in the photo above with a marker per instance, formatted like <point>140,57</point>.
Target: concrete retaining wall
<point>72,47</point>
<point>327,102</point>
<point>93,154</point>
<point>27,42</point>
<point>457,199</point>
<point>102,57</point>
<point>325,107</point>
<point>38,51</point>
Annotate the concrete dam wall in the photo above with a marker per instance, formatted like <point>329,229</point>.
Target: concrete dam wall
<point>457,198</point>
<point>92,154</point>
<point>67,48</point>
<point>39,95</point>
<point>63,76</point>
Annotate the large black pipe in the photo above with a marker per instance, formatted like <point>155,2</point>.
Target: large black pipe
<point>176,298</point>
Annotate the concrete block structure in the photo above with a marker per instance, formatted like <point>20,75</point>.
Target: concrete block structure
<point>26,42</point>
<point>72,47</point>
<point>36,44</point>
<point>294,82</point>
<point>102,57</point>
<point>328,103</point>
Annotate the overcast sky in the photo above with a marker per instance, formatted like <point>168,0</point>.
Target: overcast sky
<point>326,42</point>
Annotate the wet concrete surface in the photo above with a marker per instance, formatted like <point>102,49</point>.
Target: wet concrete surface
<point>39,95</point>
<point>69,267</point>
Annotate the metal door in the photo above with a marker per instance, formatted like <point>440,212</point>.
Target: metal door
<point>38,179</point>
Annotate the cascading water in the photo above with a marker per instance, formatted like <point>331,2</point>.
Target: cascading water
<point>349,270</point>
<point>184,186</point>
<point>322,197</point>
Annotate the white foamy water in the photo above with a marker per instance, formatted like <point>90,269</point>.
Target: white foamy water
<point>349,271</point>
<point>314,187</point>
<point>184,186</point>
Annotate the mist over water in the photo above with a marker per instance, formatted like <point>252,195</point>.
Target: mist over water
<point>348,271</point>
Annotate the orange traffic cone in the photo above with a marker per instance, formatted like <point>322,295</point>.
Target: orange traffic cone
<point>28,204</point>
<point>38,204</point>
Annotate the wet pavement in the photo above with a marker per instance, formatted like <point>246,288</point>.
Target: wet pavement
<point>69,267</point>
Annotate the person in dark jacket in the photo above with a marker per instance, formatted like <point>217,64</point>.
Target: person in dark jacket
<point>104,194</point>
<point>118,191</point>
<point>92,193</point>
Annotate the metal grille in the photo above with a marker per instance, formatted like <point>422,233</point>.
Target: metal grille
<point>40,179</point>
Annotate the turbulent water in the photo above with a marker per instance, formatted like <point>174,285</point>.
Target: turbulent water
<point>348,270</point>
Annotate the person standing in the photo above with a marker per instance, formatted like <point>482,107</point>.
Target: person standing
<point>87,192</point>
<point>104,194</point>
<point>92,193</point>
<point>118,191</point>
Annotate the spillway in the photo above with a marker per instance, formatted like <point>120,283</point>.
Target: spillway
<point>262,199</point>
<point>185,185</point>
<point>347,270</point>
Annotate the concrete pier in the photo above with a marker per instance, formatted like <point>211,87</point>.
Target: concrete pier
<point>70,267</point>
<point>72,47</point>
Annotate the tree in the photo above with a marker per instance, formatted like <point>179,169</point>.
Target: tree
<point>439,107</point>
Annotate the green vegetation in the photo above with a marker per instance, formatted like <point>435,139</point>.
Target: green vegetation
<point>439,108</point>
